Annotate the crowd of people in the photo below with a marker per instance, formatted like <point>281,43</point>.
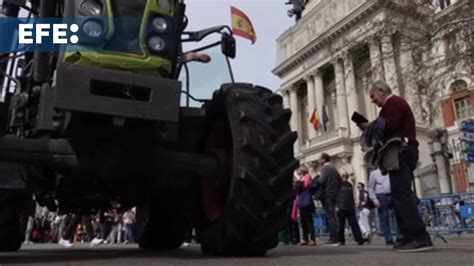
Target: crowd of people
<point>339,206</point>
<point>392,149</point>
<point>104,227</point>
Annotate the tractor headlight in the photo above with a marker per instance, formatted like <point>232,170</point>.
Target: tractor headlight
<point>90,8</point>
<point>93,29</point>
<point>160,24</point>
<point>156,44</point>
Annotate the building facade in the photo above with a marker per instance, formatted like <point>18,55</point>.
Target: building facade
<point>422,49</point>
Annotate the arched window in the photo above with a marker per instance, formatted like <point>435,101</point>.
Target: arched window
<point>461,99</point>
<point>458,85</point>
<point>459,104</point>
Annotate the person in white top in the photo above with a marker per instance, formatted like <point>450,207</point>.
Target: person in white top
<point>128,221</point>
<point>379,193</point>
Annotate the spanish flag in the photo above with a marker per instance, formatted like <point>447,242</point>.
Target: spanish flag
<point>314,119</point>
<point>241,25</point>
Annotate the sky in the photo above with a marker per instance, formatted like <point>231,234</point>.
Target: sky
<point>253,63</point>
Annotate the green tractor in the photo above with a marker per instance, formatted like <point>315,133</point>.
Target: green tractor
<point>111,122</point>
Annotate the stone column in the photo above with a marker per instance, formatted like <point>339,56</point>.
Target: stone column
<point>438,149</point>
<point>341,99</point>
<point>419,187</point>
<point>370,108</point>
<point>376,58</point>
<point>319,94</point>
<point>389,67</point>
<point>346,163</point>
<point>352,97</point>
<point>411,93</point>
<point>443,176</point>
<point>311,104</point>
<point>286,102</point>
<point>335,118</point>
<point>294,114</point>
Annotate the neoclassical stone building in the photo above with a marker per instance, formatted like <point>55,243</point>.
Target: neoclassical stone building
<point>329,58</point>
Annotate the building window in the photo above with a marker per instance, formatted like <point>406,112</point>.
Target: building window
<point>463,107</point>
<point>445,3</point>
<point>450,41</point>
<point>461,99</point>
<point>458,85</point>
<point>450,44</point>
<point>459,104</point>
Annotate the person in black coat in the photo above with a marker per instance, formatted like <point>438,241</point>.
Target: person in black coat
<point>345,209</point>
<point>330,181</point>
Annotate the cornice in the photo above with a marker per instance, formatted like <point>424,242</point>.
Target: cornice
<point>447,14</point>
<point>333,142</point>
<point>338,29</point>
<point>407,10</point>
<point>342,26</point>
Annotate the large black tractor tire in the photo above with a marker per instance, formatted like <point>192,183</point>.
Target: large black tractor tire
<point>13,217</point>
<point>250,126</point>
<point>161,223</point>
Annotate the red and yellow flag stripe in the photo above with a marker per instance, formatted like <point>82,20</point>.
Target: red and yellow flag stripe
<point>241,25</point>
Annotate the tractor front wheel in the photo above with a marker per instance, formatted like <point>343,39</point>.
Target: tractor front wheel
<point>247,206</point>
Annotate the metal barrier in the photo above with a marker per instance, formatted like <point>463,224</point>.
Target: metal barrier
<point>320,225</point>
<point>440,214</point>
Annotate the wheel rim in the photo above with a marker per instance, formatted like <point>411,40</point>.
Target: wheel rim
<point>213,194</point>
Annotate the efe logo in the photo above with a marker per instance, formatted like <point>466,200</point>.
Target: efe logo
<point>34,33</point>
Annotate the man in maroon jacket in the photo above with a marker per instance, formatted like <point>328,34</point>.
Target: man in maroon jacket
<point>400,122</point>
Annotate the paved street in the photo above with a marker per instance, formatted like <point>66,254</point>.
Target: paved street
<point>459,251</point>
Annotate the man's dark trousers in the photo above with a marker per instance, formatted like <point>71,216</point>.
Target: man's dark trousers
<point>329,204</point>
<point>408,218</point>
<point>351,218</point>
